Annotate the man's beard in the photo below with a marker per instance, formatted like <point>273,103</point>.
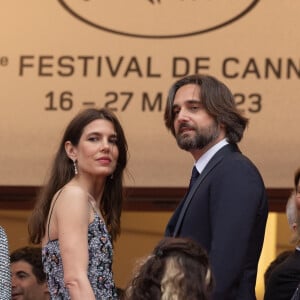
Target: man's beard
<point>200,139</point>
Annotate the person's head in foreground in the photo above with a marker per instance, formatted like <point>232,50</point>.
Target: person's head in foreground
<point>178,268</point>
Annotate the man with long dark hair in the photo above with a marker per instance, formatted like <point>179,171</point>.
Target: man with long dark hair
<point>225,209</point>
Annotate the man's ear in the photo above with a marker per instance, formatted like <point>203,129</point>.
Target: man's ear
<point>294,226</point>
<point>71,150</point>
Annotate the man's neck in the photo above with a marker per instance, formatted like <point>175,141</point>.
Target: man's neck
<point>197,153</point>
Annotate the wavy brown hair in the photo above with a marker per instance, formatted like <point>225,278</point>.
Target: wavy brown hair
<point>217,100</point>
<point>62,172</point>
<point>193,281</point>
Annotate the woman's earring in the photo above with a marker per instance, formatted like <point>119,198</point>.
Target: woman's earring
<point>112,176</point>
<point>75,167</point>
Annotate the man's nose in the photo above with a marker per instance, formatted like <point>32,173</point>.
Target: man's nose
<point>13,281</point>
<point>182,116</point>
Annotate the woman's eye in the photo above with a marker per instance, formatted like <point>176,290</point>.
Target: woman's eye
<point>93,139</point>
<point>113,140</point>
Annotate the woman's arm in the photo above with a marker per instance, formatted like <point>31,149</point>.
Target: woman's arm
<point>72,215</point>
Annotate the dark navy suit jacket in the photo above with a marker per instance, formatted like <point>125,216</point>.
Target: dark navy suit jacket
<point>226,211</point>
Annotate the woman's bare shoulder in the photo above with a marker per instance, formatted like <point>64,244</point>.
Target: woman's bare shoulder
<point>71,194</point>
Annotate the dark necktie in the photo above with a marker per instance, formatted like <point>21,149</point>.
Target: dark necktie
<point>194,176</point>
<point>173,228</point>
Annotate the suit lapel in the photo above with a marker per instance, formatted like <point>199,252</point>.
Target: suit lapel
<point>215,160</point>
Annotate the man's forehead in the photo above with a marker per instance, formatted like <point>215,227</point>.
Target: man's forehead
<point>21,266</point>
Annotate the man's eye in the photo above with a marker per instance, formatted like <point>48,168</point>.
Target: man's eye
<point>194,107</point>
<point>22,275</point>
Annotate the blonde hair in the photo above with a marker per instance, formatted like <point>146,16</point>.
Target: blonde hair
<point>171,280</point>
<point>177,269</point>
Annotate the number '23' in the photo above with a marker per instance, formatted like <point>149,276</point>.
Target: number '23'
<point>252,101</point>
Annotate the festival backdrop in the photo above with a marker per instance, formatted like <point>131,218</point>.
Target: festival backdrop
<point>59,57</point>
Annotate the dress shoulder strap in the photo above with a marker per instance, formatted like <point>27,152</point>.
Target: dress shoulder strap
<point>50,214</point>
<point>96,211</point>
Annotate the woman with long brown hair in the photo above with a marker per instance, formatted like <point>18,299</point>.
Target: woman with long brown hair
<point>78,212</point>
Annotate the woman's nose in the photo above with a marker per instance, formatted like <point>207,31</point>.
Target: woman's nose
<point>104,146</point>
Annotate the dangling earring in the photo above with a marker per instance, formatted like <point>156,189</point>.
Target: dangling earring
<point>112,176</point>
<point>75,167</point>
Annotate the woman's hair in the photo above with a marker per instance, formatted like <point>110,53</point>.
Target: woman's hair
<point>297,178</point>
<point>178,267</point>
<point>217,100</point>
<point>62,172</point>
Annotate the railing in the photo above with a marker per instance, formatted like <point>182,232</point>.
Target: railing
<point>138,198</point>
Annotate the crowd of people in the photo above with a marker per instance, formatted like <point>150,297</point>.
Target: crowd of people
<point>212,242</point>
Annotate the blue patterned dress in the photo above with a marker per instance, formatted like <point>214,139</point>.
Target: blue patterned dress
<point>99,268</point>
